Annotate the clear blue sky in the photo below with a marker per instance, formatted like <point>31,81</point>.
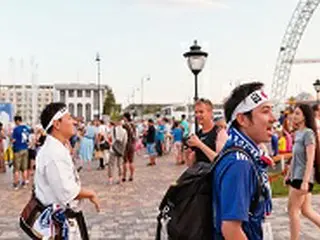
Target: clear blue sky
<point>140,37</point>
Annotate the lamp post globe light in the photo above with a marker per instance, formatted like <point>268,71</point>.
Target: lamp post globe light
<point>196,60</point>
<point>316,85</point>
<point>98,59</point>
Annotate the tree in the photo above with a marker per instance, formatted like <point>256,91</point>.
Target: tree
<point>109,102</point>
<point>292,101</point>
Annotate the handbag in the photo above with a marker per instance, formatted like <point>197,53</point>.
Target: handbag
<point>117,146</point>
<point>29,215</point>
<point>33,210</point>
<point>104,145</point>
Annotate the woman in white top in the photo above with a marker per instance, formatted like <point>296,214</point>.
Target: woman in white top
<point>56,179</point>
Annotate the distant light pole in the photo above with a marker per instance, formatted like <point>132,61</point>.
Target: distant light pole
<point>133,96</point>
<point>316,85</point>
<point>98,60</point>
<point>196,60</point>
<point>145,78</point>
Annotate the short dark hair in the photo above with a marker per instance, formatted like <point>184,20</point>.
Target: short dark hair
<point>176,124</point>
<point>127,116</point>
<point>238,95</point>
<point>183,116</point>
<point>315,107</point>
<point>204,101</point>
<point>150,120</point>
<point>17,118</point>
<point>48,112</point>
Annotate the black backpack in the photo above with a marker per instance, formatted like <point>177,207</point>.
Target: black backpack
<point>186,211</point>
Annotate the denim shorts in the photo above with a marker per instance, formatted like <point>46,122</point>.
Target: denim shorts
<point>151,149</point>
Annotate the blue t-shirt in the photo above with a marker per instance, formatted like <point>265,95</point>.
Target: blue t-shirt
<point>234,187</point>
<point>160,133</point>
<point>185,126</point>
<point>275,145</point>
<point>177,134</point>
<point>20,135</point>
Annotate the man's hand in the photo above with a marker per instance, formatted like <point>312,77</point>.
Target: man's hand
<point>95,200</point>
<point>194,141</point>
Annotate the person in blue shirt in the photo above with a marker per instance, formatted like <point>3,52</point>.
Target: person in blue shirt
<point>177,135</point>
<point>160,137</point>
<point>186,132</point>
<point>184,123</point>
<point>235,178</point>
<point>20,138</point>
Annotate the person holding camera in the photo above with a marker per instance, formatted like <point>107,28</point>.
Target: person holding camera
<point>210,139</point>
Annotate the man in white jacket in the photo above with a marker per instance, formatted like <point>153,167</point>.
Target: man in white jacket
<point>119,135</point>
<point>56,179</point>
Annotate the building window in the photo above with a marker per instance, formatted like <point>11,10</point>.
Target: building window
<point>88,112</point>
<point>79,93</point>
<point>79,110</point>
<point>88,93</point>
<point>71,93</point>
<point>71,109</point>
<point>62,96</point>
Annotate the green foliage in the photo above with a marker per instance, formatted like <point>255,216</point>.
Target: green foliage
<point>115,116</point>
<point>150,109</point>
<point>109,104</point>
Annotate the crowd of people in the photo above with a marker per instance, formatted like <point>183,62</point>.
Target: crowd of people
<point>62,146</point>
<point>112,144</point>
<point>241,197</point>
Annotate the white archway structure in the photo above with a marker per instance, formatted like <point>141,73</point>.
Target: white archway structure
<point>289,45</point>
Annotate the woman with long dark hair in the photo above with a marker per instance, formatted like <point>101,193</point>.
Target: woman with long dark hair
<point>304,169</point>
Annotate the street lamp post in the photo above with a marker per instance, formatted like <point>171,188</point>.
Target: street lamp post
<point>133,96</point>
<point>316,85</point>
<point>98,59</point>
<point>196,60</point>
<point>147,78</point>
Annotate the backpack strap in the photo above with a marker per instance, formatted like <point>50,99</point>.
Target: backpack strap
<point>255,201</point>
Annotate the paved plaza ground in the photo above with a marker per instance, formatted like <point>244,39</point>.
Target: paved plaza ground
<point>129,210</point>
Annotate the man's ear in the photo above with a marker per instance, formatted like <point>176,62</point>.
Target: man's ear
<point>56,125</point>
<point>243,120</point>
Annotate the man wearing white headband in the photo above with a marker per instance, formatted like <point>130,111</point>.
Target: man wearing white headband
<point>56,179</point>
<point>241,194</point>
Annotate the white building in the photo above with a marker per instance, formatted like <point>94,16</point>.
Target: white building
<point>28,102</point>
<point>81,99</point>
